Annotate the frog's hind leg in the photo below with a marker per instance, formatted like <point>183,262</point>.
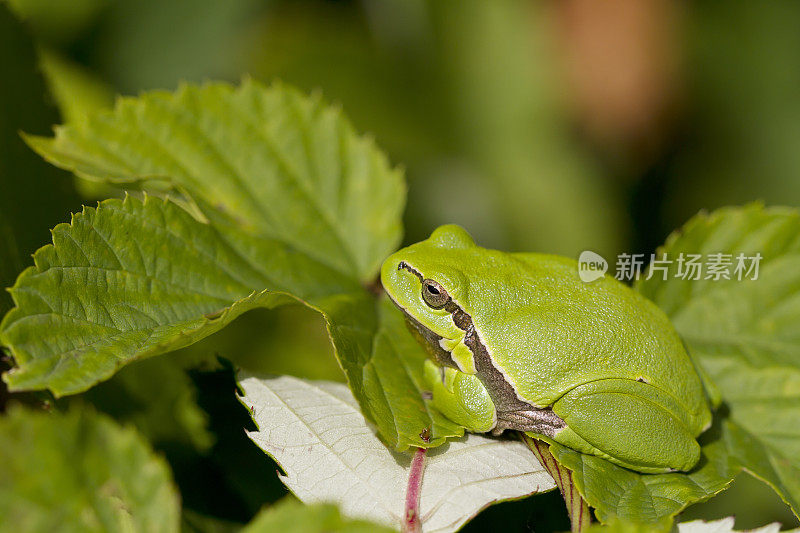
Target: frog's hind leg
<point>629,423</point>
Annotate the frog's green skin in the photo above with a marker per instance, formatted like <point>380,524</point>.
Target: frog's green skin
<point>520,342</point>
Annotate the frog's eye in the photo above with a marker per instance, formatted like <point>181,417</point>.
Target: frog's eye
<point>434,294</point>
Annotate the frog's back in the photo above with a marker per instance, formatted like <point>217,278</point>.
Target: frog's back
<point>558,332</point>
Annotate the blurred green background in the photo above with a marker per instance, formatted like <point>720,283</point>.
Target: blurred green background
<point>539,126</point>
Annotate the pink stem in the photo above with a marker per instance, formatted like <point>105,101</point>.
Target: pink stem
<point>411,522</point>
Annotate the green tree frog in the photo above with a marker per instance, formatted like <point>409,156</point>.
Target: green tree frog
<point>518,341</point>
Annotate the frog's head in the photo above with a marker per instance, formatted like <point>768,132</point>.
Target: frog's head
<point>425,281</point>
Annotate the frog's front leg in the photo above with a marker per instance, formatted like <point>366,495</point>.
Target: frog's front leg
<point>460,397</point>
<point>464,399</point>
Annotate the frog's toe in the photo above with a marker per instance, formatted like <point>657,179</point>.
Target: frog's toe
<point>609,419</point>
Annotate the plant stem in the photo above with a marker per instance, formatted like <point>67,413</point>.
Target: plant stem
<point>411,522</point>
<point>578,509</point>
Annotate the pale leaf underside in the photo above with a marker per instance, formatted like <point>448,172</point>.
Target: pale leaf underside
<point>329,453</point>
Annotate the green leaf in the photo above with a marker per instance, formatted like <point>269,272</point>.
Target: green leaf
<point>79,472</point>
<point>751,320</point>
<point>290,205</point>
<point>763,432</point>
<point>393,382</point>
<point>744,333</point>
<point>281,165</point>
<point>132,279</point>
<point>289,515</point>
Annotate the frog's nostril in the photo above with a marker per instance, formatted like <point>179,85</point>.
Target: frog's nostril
<point>402,265</point>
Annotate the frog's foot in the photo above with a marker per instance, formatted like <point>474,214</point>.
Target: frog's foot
<point>542,421</point>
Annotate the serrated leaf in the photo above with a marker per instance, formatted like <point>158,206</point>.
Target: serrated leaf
<point>132,279</point>
<point>283,166</point>
<point>329,453</point>
<point>291,516</point>
<point>81,472</point>
<point>751,320</point>
<point>744,333</point>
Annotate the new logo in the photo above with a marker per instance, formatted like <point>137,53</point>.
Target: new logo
<point>591,266</point>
